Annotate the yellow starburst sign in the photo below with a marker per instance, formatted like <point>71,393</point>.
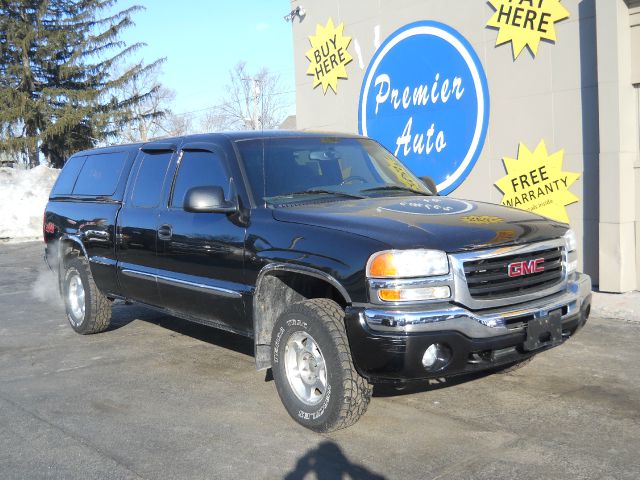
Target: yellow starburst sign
<point>328,56</point>
<point>536,182</point>
<point>526,22</point>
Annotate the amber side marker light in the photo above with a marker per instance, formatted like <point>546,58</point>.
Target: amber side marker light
<point>414,294</point>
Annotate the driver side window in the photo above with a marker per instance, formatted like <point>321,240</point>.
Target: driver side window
<point>199,169</point>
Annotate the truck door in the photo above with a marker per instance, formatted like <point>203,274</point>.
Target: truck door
<point>200,255</point>
<point>137,224</point>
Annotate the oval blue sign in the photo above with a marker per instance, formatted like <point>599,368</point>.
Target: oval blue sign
<point>425,98</point>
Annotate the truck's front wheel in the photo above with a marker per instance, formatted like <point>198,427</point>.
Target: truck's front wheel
<point>88,310</point>
<point>313,369</point>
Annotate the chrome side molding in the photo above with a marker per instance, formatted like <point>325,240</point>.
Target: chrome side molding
<point>196,286</point>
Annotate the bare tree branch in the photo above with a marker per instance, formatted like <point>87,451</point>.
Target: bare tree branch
<point>252,102</point>
<point>150,117</point>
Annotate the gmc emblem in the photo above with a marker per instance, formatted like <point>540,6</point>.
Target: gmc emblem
<point>517,269</point>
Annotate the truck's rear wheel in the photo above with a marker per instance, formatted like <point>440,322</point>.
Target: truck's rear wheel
<point>313,369</point>
<point>88,310</point>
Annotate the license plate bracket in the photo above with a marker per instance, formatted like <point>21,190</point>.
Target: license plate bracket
<point>544,331</point>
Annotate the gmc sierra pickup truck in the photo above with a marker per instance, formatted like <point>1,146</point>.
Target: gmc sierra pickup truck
<point>344,268</point>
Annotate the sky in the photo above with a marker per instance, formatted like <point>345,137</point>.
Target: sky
<point>202,40</point>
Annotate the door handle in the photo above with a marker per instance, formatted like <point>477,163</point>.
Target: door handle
<point>164,232</point>
<point>96,235</point>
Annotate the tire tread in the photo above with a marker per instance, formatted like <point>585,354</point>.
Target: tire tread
<point>357,391</point>
<point>99,307</point>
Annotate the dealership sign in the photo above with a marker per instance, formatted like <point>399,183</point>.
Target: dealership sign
<point>425,98</point>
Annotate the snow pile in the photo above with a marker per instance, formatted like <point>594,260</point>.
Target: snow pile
<point>23,197</point>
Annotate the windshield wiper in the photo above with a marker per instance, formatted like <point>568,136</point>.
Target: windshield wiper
<point>324,191</point>
<point>398,188</point>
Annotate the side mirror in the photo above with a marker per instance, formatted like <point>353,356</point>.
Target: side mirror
<point>431,185</point>
<point>207,200</point>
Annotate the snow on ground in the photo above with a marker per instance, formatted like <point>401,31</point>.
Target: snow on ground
<point>23,197</point>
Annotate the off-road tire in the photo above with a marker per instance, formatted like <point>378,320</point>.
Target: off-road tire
<point>347,394</point>
<point>97,307</point>
<point>514,366</point>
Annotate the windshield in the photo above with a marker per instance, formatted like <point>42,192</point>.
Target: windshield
<point>282,170</point>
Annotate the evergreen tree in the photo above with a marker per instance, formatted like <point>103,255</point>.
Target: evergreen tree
<point>57,59</point>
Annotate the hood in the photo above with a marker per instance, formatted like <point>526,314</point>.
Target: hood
<point>440,223</point>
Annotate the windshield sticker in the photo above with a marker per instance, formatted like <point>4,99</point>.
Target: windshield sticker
<point>425,98</point>
<point>430,206</point>
<point>536,182</point>
<point>401,172</point>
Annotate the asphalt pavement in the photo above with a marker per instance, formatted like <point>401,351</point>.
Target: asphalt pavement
<point>156,397</point>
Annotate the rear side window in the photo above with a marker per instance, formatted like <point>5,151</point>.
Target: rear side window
<point>100,174</point>
<point>67,178</point>
<point>150,178</point>
<point>199,169</point>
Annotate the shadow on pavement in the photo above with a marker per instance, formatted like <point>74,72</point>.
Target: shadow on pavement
<point>328,462</point>
<point>124,314</point>
<point>385,390</point>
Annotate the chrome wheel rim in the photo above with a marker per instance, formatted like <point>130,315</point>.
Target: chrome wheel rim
<point>75,299</point>
<point>305,368</point>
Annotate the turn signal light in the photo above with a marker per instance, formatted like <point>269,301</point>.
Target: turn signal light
<point>383,265</point>
<point>389,295</point>
<point>414,294</point>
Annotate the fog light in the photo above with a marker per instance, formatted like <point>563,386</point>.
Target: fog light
<point>436,357</point>
<point>414,294</point>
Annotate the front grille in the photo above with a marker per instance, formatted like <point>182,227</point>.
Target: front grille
<point>489,278</point>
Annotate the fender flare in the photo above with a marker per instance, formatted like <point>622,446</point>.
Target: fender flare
<point>61,241</point>
<point>74,239</point>
<point>262,349</point>
<point>312,272</point>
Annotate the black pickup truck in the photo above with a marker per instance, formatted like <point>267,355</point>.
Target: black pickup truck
<point>344,268</point>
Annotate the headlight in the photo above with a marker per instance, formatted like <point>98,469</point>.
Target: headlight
<point>407,264</point>
<point>570,240</point>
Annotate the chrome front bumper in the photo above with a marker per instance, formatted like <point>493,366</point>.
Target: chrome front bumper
<point>482,323</point>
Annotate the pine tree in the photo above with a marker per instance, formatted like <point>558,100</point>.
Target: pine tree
<point>57,59</point>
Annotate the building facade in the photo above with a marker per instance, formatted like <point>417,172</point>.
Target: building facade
<point>468,91</point>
